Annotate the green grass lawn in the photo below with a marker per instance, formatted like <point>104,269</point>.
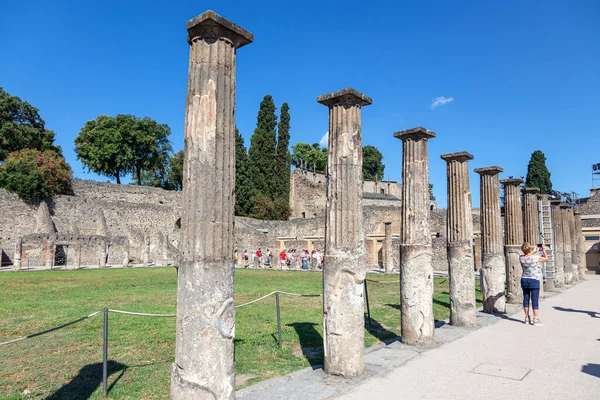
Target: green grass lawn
<point>67,364</point>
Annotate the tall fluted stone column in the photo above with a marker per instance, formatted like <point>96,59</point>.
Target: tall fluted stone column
<point>531,226</point>
<point>573,237</point>
<point>566,228</point>
<point>204,366</point>
<point>345,257</point>
<point>580,246</point>
<point>388,259</point>
<point>531,216</point>
<point>461,266</point>
<point>416,268</point>
<point>557,231</point>
<point>493,272</point>
<point>513,238</point>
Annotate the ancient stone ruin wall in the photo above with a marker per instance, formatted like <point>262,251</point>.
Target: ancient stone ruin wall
<point>102,214</point>
<point>98,212</point>
<point>307,193</point>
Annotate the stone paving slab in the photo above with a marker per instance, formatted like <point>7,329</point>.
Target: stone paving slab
<point>485,361</point>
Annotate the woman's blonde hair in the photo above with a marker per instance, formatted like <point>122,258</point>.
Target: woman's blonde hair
<point>526,248</point>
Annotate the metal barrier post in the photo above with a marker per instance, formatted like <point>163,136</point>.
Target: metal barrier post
<point>278,319</point>
<point>105,353</point>
<point>367,298</point>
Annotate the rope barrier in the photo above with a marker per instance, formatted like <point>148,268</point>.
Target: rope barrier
<point>257,300</point>
<point>301,295</point>
<point>52,329</point>
<point>141,314</point>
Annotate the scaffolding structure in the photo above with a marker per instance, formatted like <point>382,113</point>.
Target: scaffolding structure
<point>596,176</point>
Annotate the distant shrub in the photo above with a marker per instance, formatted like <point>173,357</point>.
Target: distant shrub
<point>34,174</point>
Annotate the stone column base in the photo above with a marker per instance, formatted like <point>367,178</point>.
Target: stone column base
<point>493,277</point>
<point>462,284</point>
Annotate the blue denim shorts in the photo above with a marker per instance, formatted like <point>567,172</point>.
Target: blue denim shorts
<point>530,283</point>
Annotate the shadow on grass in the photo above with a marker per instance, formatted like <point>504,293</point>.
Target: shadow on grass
<point>311,343</point>
<point>379,331</point>
<point>592,314</point>
<point>87,381</point>
<point>441,303</point>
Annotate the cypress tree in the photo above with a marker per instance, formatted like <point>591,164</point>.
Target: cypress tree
<point>283,165</point>
<point>263,151</point>
<point>537,172</point>
<point>242,186</point>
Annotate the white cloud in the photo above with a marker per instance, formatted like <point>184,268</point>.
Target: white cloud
<point>324,142</point>
<point>440,101</point>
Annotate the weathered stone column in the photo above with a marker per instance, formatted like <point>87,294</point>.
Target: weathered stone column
<point>531,216</point>
<point>564,211</point>
<point>557,231</point>
<point>416,268</point>
<point>18,253</point>
<point>580,246</point>
<point>548,278</point>
<point>388,261</point>
<point>513,238</point>
<point>204,367</point>
<point>345,256</point>
<point>573,237</point>
<point>77,259</point>
<point>146,256</point>
<point>461,266</point>
<point>126,249</point>
<point>49,254</point>
<point>493,269</point>
<point>102,255</point>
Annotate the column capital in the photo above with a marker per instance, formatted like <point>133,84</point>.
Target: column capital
<point>461,156</point>
<point>489,170</point>
<point>346,96</point>
<point>414,133</point>
<point>576,212</point>
<point>564,206</point>
<point>532,190</point>
<point>209,24</point>
<point>387,222</point>
<point>512,182</point>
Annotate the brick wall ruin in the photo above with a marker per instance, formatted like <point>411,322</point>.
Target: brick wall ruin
<point>104,223</point>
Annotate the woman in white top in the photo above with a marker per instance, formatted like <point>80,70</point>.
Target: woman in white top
<point>530,281</point>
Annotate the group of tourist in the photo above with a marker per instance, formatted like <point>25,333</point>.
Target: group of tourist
<point>287,259</point>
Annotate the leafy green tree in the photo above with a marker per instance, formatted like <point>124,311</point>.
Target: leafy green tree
<point>431,196</point>
<point>147,143</point>
<point>282,169</point>
<point>312,156</point>
<point>21,127</point>
<point>537,172</point>
<point>169,178</point>
<point>372,164</point>
<point>176,170</point>
<point>243,190</point>
<point>263,150</point>
<point>116,146</point>
<point>35,174</point>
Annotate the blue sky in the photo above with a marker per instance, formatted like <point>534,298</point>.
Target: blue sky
<point>522,75</point>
